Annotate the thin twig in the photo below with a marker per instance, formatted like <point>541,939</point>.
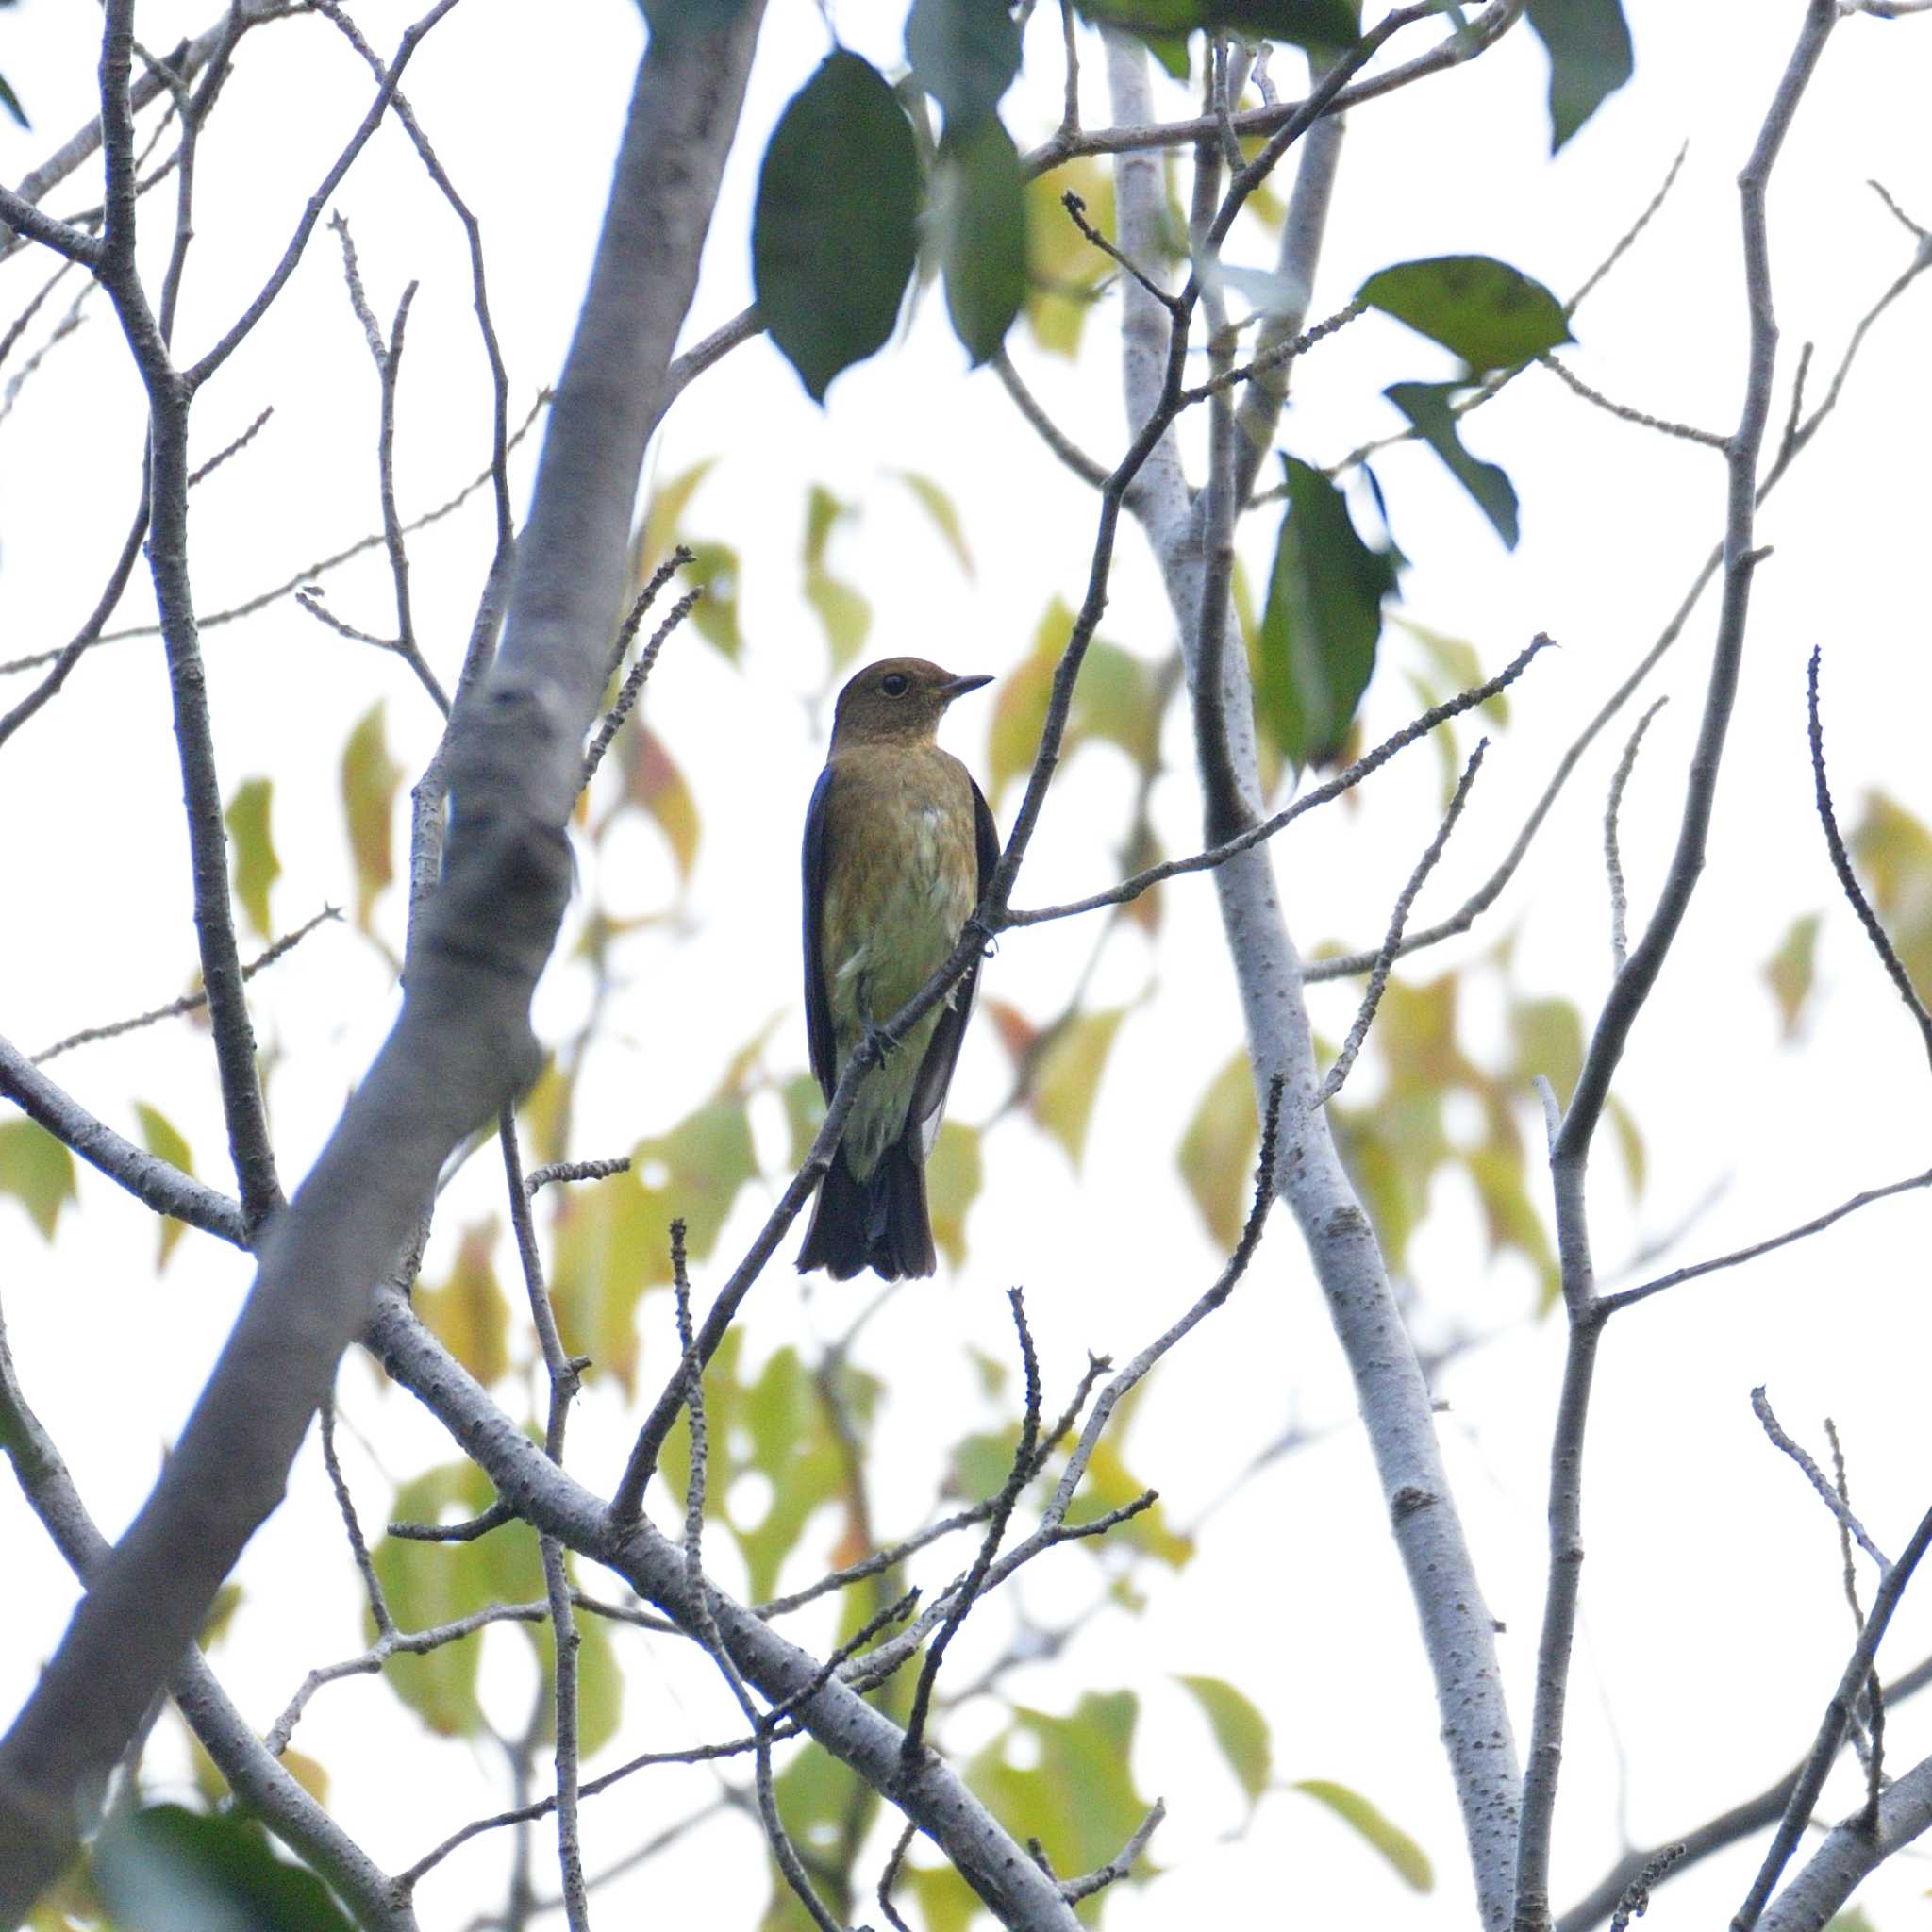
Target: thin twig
<point>1685,432</point>
<point>963,1599</point>
<point>1828,1492</point>
<point>1614,862</point>
<point>1254,835</point>
<point>1075,1889</point>
<point>634,681</point>
<point>187,1003</point>
<point>1847,878</point>
<point>1628,1297</point>
<point>1378,978</point>
<point>231,449</point>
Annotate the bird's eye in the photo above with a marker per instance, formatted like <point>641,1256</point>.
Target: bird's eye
<point>894,683</point>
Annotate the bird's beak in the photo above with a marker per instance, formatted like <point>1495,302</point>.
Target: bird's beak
<point>958,687</point>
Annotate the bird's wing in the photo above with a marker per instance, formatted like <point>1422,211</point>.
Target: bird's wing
<point>818,1010</point>
<point>936,1069</point>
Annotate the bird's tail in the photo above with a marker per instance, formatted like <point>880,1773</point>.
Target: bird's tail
<point>879,1222</point>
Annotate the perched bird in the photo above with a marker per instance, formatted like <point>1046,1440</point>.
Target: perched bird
<point>899,846</point>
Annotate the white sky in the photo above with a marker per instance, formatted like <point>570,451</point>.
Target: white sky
<point>1714,1628</point>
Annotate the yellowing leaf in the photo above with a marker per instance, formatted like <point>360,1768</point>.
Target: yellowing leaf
<point>664,517</point>
<point>37,1170</point>
<point>939,507</point>
<point>1067,1077</point>
<point>257,868</point>
<point>164,1139</point>
<point>652,781</point>
<point>308,1774</point>
<point>1409,1862</point>
<point>1217,1150</point>
<point>953,1175</point>
<point>1240,1729</point>
<point>1064,269</point>
<point>1790,971</point>
<point>1019,706</point>
<point>1894,851</point>
<point>370,778</point>
<point>1548,1034</point>
<point>466,1311</point>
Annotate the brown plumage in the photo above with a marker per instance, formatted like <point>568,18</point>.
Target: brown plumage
<point>899,845</point>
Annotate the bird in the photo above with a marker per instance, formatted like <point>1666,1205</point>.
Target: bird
<point>900,847</point>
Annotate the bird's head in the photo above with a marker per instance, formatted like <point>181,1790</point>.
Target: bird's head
<point>899,698</point>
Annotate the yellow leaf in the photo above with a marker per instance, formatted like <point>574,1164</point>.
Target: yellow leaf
<point>1788,972</point>
<point>654,783</point>
<point>37,1170</point>
<point>162,1139</point>
<point>466,1311</point>
<point>1067,1077</point>
<point>370,778</point>
<point>257,868</point>
<point>953,1175</point>
<point>1217,1150</point>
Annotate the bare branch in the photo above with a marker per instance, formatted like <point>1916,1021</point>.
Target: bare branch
<point>1848,879</point>
<point>1613,863</point>
<point>1378,980</point>
<point>1848,1524</point>
<point>1623,412</point>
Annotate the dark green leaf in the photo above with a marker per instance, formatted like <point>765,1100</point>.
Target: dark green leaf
<point>1489,313</point>
<point>1322,619</point>
<point>834,232</point>
<point>1307,23</point>
<point>167,1869</point>
<point>964,53</point>
<point>1408,1858</point>
<point>1589,46</point>
<point>980,220</point>
<point>1426,405</point>
<point>11,101</point>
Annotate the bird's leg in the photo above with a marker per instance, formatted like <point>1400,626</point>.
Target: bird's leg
<point>881,1041</point>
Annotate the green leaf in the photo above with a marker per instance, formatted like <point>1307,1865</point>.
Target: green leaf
<point>1077,1796</point>
<point>164,1140</point>
<point>1589,46</point>
<point>37,1170</point>
<point>979,221</point>
<point>1491,314</point>
<point>1853,1921</point>
<point>1240,1729</point>
<point>1064,272</point>
<point>1322,619</point>
<point>11,101</point>
<point>964,54</point>
<point>426,1583</point>
<point>370,778</point>
<point>1459,662</point>
<point>1066,1077</point>
<point>1426,405</point>
<point>953,1177</point>
<point>257,868</point>
<point>1548,1038</point>
<point>1411,1863</point>
<point>167,1869</point>
<point>713,567</point>
<point>1325,24</point>
<point>1217,1150</point>
<point>842,609</point>
<point>1117,698</point>
<point>664,514</point>
<point>1789,972</point>
<point>939,507</point>
<point>834,230</point>
<point>466,1311</point>
<point>1893,850</point>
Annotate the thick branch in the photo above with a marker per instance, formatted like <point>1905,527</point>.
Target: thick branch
<point>463,1045</point>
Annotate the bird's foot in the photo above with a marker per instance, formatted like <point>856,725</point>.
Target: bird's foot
<point>881,1043</point>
